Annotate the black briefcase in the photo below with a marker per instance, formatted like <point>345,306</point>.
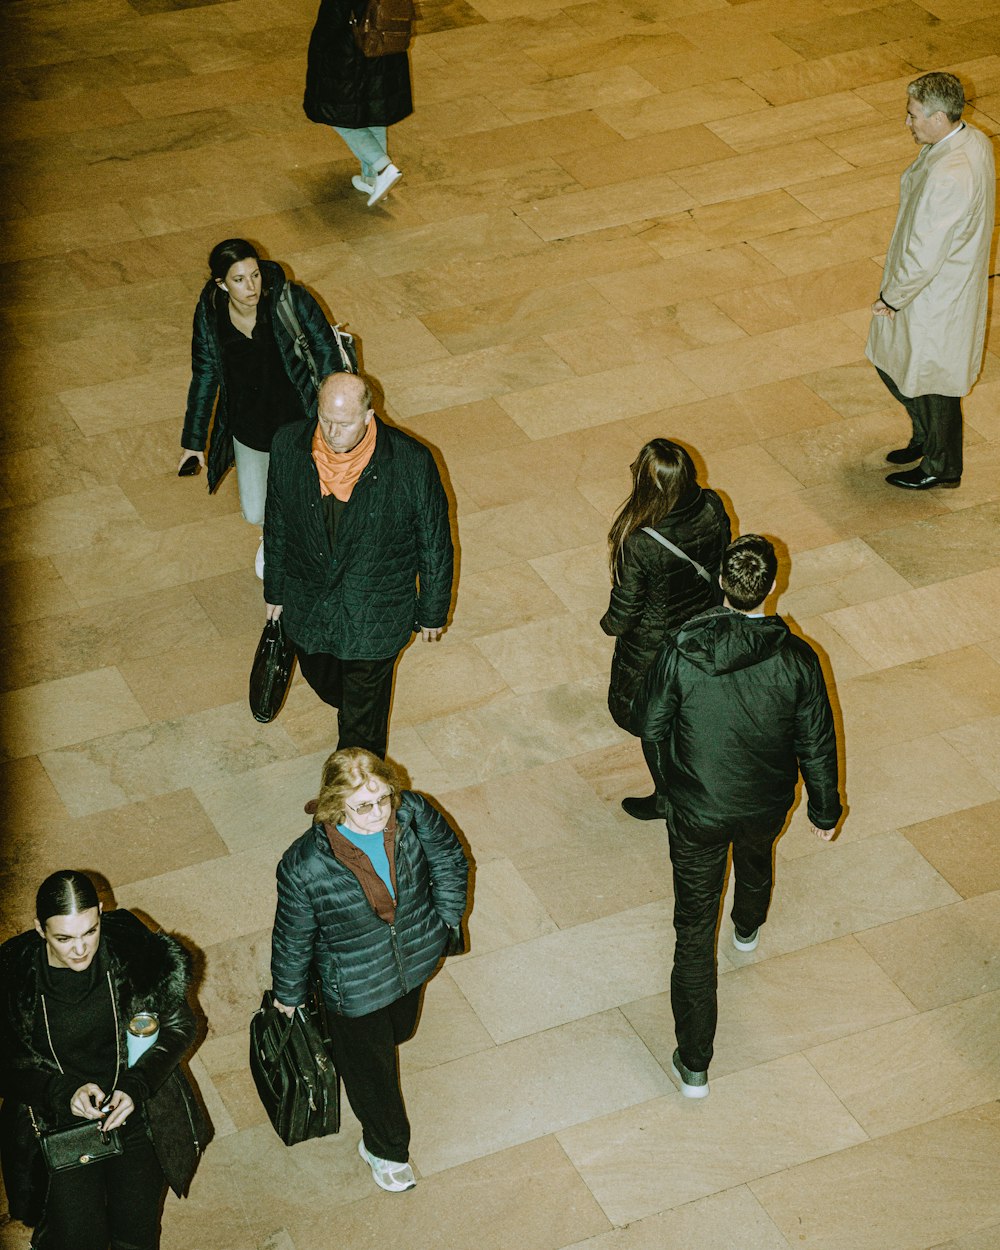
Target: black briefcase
<point>292,1067</point>
<point>271,674</point>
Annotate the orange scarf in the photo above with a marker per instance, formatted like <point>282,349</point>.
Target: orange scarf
<point>339,470</point>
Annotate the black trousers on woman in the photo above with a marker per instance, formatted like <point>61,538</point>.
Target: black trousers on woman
<point>114,1203</point>
<point>364,1050</point>
<point>699,858</point>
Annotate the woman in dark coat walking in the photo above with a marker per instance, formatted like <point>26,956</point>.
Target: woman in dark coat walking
<point>358,96</point>
<point>248,370</point>
<point>368,899</point>
<point>69,990</point>
<point>658,583</point>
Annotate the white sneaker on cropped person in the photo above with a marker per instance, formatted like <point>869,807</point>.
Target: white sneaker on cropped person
<point>395,1177</point>
<point>385,179</point>
<point>360,183</point>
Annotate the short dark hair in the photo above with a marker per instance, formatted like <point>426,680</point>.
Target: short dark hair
<point>938,93</point>
<point>64,893</point>
<point>748,568</point>
<point>229,252</point>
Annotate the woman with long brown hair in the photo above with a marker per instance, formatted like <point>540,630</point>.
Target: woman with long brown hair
<point>665,550</point>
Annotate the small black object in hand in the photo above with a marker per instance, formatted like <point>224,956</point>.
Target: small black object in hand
<point>190,467</point>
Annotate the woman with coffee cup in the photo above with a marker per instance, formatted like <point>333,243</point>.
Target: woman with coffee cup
<point>94,1021</point>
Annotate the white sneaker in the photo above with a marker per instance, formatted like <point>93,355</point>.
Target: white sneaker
<point>396,1177</point>
<point>383,181</point>
<point>748,942</point>
<point>258,563</point>
<point>362,184</point>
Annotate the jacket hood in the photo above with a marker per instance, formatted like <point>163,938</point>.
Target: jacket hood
<point>724,641</point>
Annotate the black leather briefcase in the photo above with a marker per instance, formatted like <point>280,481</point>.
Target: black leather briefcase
<point>292,1067</point>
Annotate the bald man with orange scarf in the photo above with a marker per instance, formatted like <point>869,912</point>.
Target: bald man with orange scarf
<point>358,553</point>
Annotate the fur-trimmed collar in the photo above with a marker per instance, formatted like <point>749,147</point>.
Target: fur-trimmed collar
<point>149,972</point>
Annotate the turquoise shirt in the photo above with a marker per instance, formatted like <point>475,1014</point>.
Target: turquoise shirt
<point>373,845</point>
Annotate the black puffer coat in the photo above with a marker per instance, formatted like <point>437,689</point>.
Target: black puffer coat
<point>359,602</point>
<point>208,380</point>
<point>149,972</point>
<point>657,591</point>
<point>344,88</point>
<point>324,920</point>
<point>739,705</point>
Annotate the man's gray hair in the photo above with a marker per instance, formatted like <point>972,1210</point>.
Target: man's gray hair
<point>938,93</point>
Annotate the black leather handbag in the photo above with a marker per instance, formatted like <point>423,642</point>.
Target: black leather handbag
<point>293,1069</point>
<point>66,1148</point>
<point>271,674</point>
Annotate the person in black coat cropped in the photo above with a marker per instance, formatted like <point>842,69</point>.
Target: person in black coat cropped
<point>738,706</point>
<point>243,355</point>
<point>68,991</point>
<point>367,900</point>
<point>359,553</point>
<point>358,96</point>
<point>654,588</point>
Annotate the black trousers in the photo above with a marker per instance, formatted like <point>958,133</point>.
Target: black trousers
<point>360,690</point>
<point>364,1050</point>
<point>699,858</point>
<point>116,1202</point>
<point>937,427</point>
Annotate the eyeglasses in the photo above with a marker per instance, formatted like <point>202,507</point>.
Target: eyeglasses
<point>363,809</point>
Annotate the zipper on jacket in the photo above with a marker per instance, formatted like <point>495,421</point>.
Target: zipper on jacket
<point>395,955</point>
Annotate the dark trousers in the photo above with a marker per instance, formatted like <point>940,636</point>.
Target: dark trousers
<point>364,1050</point>
<point>937,427</point>
<point>360,690</point>
<point>699,858</point>
<point>116,1202</point>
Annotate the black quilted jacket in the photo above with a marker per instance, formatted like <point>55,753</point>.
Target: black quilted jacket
<point>324,921</point>
<point>360,601</point>
<point>344,88</point>
<point>208,380</point>
<point>657,591</point>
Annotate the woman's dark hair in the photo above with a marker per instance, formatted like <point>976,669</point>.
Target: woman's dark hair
<point>662,474</point>
<point>64,893</point>
<point>229,252</point>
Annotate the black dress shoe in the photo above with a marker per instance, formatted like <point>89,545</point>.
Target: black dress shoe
<point>905,455</point>
<point>643,809</point>
<point>917,479</point>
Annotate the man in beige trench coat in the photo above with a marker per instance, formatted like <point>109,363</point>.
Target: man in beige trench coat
<point>929,322</point>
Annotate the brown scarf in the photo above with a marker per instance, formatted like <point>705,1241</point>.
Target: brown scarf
<point>339,470</point>
<point>356,861</point>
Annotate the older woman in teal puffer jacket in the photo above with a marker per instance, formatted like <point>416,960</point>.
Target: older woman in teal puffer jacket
<point>368,900</point>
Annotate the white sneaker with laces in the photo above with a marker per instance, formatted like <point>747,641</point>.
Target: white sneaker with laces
<point>360,183</point>
<point>383,181</point>
<point>395,1177</point>
<point>258,562</point>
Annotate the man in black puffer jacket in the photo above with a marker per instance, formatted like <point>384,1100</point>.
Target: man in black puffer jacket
<point>738,705</point>
<point>359,553</point>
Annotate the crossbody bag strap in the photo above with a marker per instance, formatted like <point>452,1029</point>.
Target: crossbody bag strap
<point>285,309</point>
<point>702,572</point>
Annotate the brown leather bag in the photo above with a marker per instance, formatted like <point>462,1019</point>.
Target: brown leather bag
<point>384,27</point>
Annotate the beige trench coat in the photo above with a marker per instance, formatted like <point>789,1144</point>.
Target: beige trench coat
<point>937,269</point>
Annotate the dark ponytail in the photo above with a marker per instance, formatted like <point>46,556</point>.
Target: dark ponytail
<point>64,893</point>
